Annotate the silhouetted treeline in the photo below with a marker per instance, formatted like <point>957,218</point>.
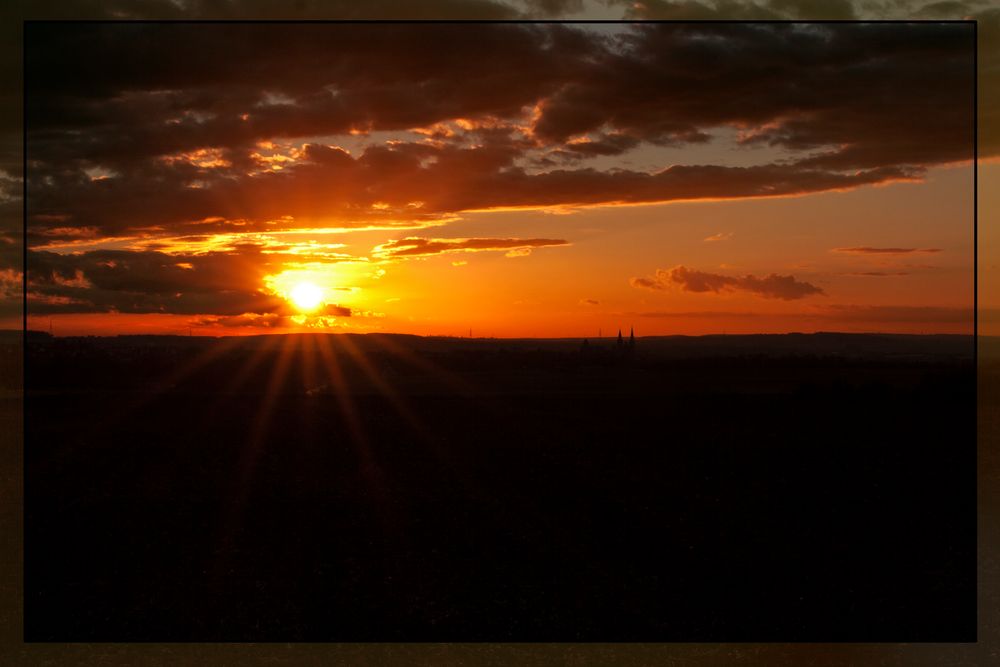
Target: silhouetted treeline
<point>207,364</point>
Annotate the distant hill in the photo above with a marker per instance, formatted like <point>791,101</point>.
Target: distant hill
<point>824,344</point>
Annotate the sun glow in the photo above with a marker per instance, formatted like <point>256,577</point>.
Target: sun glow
<point>318,292</point>
<point>306,296</point>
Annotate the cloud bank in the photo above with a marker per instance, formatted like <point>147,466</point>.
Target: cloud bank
<point>263,129</point>
<point>772,286</point>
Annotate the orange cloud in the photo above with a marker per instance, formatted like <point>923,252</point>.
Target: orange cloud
<point>421,247</point>
<point>772,286</point>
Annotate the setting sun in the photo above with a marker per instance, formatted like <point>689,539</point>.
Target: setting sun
<point>306,297</point>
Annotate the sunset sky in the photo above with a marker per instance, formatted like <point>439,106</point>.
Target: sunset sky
<point>512,179</point>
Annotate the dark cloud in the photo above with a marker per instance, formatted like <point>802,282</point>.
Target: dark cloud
<point>418,247</point>
<point>213,283</point>
<point>152,272</point>
<point>136,135</point>
<point>606,144</point>
<point>867,250</point>
<point>777,82</point>
<point>772,286</point>
<point>984,12</point>
<point>129,135</point>
<point>48,299</point>
<point>406,184</point>
<point>256,320</point>
<point>138,96</point>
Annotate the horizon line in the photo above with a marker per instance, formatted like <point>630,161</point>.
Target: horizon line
<point>454,337</point>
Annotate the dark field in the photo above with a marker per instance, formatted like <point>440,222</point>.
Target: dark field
<point>391,488</point>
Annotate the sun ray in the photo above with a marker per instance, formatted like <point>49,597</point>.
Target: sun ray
<point>371,471</point>
<point>409,415</point>
<point>233,514</point>
<point>387,390</point>
<point>307,362</point>
<point>250,364</point>
<point>455,382</point>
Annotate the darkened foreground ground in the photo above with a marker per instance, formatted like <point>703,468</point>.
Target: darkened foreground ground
<point>393,488</point>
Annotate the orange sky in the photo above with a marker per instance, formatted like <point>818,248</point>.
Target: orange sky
<point>516,203</point>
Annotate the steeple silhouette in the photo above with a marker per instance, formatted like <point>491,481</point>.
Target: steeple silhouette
<point>620,342</point>
<point>631,338</point>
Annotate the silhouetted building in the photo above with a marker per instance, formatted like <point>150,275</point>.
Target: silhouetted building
<point>622,348</point>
